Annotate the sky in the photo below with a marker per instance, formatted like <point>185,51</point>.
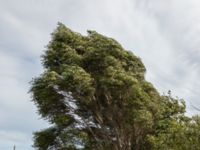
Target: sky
<point>163,33</point>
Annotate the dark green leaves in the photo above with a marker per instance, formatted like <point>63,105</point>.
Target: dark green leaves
<point>95,94</point>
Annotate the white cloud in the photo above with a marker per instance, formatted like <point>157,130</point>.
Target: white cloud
<point>10,138</point>
<point>164,33</point>
<point>180,24</point>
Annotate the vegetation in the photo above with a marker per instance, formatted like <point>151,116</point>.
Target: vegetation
<point>95,95</point>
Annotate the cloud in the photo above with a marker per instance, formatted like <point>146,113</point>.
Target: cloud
<point>8,139</point>
<point>17,114</point>
<point>164,33</point>
<point>179,21</point>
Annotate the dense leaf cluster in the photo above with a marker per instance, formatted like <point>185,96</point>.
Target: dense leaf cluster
<point>95,95</point>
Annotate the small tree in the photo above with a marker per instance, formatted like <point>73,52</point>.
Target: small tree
<point>95,95</point>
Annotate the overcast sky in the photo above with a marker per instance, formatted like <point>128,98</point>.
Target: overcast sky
<point>163,33</point>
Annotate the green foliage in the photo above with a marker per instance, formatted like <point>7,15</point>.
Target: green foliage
<point>95,94</point>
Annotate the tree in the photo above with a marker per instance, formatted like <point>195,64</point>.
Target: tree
<point>95,95</point>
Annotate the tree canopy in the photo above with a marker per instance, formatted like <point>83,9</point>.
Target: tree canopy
<point>95,95</point>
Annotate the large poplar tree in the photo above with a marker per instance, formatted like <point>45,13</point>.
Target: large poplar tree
<point>95,95</point>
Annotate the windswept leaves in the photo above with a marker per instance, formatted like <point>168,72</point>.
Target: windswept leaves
<point>95,94</point>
